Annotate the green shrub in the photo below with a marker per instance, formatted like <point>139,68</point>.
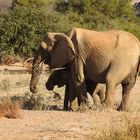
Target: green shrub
<point>22,28</point>
<point>103,14</point>
<point>5,85</point>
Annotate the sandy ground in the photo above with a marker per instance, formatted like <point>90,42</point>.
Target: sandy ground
<point>58,125</point>
<point>61,125</point>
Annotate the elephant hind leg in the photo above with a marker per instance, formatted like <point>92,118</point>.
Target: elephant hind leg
<point>116,74</point>
<point>126,90</point>
<point>113,77</point>
<point>127,86</point>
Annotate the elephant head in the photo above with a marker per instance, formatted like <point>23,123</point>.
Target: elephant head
<point>59,78</point>
<point>56,50</point>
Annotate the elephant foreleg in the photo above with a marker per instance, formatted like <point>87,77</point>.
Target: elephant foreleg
<point>78,80</point>
<point>74,105</point>
<point>66,98</point>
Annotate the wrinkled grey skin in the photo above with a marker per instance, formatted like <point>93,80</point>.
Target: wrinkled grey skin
<point>61,78</point>
<point>104,57</point>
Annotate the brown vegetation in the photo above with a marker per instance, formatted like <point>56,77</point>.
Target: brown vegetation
<point>130,131</point>
<point>9,109</point>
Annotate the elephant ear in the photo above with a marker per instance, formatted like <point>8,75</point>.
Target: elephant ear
<point>62,51</point>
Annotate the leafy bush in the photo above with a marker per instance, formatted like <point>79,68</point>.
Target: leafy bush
<point>21,30</point>
<point>103,15</point>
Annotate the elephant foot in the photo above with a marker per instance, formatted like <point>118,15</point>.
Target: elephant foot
<point>83,107</point>
<point>122,108</point>
<point>73,109</point>
<point>108,104</point>
<point>97,107</point>
<point>105,107</point>
<point>74,106</point>
<point>67,109</point>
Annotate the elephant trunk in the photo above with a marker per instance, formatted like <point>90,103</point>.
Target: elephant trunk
<point>36,72</point>
<point>49,85</point>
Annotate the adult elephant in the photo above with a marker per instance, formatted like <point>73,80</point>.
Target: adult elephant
<point>110,57</point>
<point>61,78</point>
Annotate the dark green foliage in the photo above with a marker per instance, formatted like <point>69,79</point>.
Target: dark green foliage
<point>102,14</point>
<point>22,28</point>
<point>137,6</point>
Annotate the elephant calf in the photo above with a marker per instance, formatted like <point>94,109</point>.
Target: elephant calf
<point>61,78</point>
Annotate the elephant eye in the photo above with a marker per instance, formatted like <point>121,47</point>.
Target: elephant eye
<point>52,44</point>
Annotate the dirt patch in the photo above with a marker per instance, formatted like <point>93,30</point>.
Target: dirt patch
<point>61,125</point>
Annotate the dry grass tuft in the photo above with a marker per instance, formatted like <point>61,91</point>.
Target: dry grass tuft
<point>9,109</point>
<point>130,131</point>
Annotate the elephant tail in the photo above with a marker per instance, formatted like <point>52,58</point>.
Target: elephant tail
<point>138,69</point>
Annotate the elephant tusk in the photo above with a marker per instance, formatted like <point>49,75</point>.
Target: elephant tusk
<point>44,45</point>
<point>55,69</point>
<point>38,63</point>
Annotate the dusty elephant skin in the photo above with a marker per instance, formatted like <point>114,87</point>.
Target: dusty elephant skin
<point>110,57</point>
<point>61,78</point>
